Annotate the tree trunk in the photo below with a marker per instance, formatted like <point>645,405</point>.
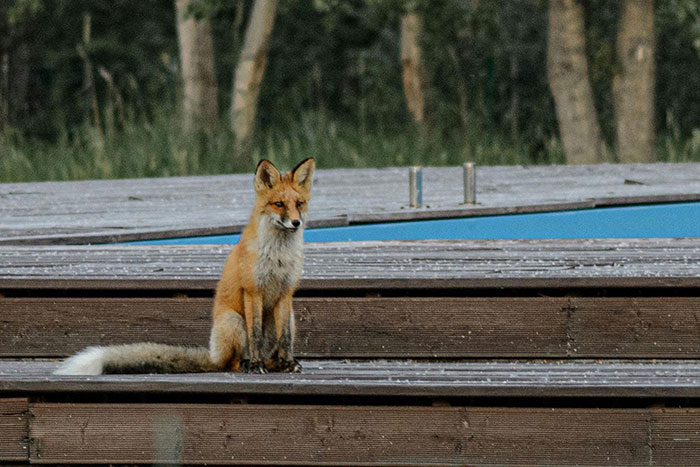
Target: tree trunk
<point>633,84</point>
<point>4,90</point>
<point>15,58</point>
<point>567,72</point>
<point>200,106</point>
<point>249,73</point>
<point>19,83</point>
<point>461,90</point>
<point>89,73</point>
<point>514,99</point>
<point>414,75</point>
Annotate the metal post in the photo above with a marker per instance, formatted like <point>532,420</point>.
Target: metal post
<point>415,187</point>
<point>469,183</point>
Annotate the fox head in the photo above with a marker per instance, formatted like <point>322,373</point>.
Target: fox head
<point>284,198</point>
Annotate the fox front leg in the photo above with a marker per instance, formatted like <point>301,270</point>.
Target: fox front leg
<point>284,325</point>
<point>253,319</point>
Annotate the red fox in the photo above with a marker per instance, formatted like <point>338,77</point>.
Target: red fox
<point>252,319</point>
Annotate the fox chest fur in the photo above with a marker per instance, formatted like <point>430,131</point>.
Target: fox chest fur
<point>279,262</point>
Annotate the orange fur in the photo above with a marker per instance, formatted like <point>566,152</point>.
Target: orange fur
<point>252,320</point>
<point>262,303</point>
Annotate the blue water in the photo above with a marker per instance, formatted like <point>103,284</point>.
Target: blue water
<point>647,221</point>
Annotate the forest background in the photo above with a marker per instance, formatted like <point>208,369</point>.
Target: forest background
<point>134,88</point>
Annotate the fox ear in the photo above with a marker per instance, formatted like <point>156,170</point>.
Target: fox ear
<point>266,176</point>
<point>303,173</point>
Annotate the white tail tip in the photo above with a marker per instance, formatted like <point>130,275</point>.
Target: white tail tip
<point>87,362</point>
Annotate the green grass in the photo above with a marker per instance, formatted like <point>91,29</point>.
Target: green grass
<point>160,149</point>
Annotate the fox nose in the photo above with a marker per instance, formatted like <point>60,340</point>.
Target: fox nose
<point>296,222</point>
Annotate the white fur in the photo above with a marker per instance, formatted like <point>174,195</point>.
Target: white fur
<point>87,362</point>
<point>132,358</point>
<point>280,259</point>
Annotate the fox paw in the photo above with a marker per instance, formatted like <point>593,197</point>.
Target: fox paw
<point>253,367</point>
<point>289,366</point>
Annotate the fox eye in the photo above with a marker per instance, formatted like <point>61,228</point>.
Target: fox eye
<point>300,204</point>
<point>279,204</point>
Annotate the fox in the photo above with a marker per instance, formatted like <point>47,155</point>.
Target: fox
<point>252,328</point>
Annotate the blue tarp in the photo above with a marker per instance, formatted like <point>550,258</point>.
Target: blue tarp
<point>647,221</point>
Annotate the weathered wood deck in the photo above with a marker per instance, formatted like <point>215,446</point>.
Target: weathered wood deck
<point>284,434</point>
<point>389,378</point>
<point>486,352</point>
<point>437,352</point>
<point>435,299</point>
<point>467,264</point>
<point>121,210</point>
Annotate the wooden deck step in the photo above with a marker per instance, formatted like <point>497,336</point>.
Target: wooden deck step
<point>436,352</point>
<point>427,299</point>
<point>279,434</point>
<point>425,264</point>
<point>497,379</point>
<point>122,210</point>
<point>376,327</point>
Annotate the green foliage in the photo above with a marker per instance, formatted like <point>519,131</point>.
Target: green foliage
<point>134,42</point>
<point>678,62</point>
<point>20,10</point>
<point>158,148</point>
<point>332,88</point>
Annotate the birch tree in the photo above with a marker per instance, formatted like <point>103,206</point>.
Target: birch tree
<point>249,73</point>
<point>200,109</point>
<point>567,73</point>
<point>633,84</point>
<point>414,74</point>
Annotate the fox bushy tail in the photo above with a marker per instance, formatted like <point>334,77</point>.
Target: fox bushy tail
<point>138,358</point>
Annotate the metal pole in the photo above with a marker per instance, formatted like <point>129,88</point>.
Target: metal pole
<point>415,187</point>
<point>469,183</point>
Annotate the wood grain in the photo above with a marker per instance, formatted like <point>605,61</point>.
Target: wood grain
<point>635,327</point>
<point>431,327</point>
<point>393,379</point>
<point>13,430</point>
<point>322,435</point>
<point>375,327</point>
<point>675,436</point>
<point>326,328</point>
<point>50,327</point>
<point>427,264</point>
<point>122,210</point>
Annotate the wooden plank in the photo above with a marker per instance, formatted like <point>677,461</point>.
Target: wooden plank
<point>501,379</point>
<point>634,327</point>
<point>62,326</point>
<point>403,327</point>
<point>466,264</point>
<point>13,430</point>
<point>133,235</point>
<point>118,210</point>
<point>373,327</point>
<point>431,327</point>
<point>326,328</point>
<point>321,435</point>
<point>675,436</point>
